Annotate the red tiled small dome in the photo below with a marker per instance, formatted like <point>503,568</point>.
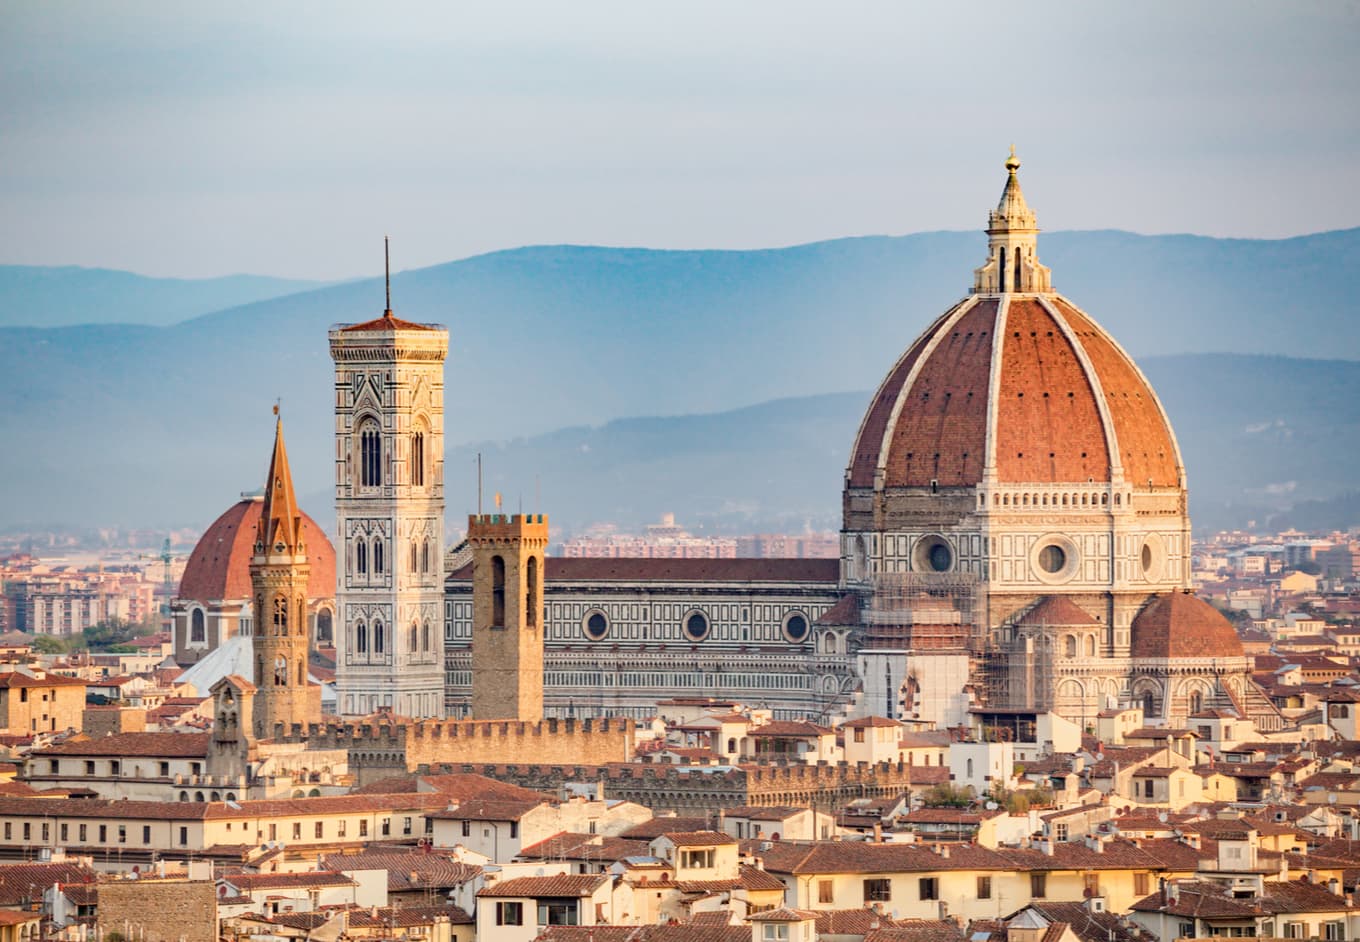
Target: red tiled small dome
<point>219,567</point>
<point>1179,624</point>
<point>1057,611</point>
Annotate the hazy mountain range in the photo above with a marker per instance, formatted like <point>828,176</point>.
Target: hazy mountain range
<point>32,296</point>
<point>145,425</point>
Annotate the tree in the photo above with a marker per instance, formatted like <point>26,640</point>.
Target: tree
<point>947,796</point>
<point>50,644</point>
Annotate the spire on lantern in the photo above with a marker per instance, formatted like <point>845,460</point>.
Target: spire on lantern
<point>280,527</point>
<point>1012,230</point>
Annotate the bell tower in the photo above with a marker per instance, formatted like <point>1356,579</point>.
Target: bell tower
<point>278,578</point>
<point>389,508</point>
<point>507,615</point>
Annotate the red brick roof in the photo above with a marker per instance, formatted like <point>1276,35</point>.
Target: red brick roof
<point>561,885</point>
<point>219,566</point>
<point>630,569</point>
<point>1178,624</point>
<point>20,679</point>
<point>386,322</point>
<point>245,882</point>
<point>133,745</point>
<point>698,838</point>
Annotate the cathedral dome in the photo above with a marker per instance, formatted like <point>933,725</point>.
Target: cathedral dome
<point>219,566</point>
<point>1180,624</point>
<point>1014,384</point>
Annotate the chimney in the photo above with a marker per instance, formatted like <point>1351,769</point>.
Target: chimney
<point>878,832</point>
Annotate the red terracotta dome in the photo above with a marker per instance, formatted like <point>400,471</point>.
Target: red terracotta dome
<point>1066,399</point>
<point>1015,381</point>
<point>219,567</point>
<point>1179,624</point>
<point>1057,611</point>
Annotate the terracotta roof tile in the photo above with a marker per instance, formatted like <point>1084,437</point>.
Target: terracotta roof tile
<point>560,885</point>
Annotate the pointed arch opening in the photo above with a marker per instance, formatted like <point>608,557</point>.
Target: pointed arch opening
<point>497,592</point>
<point>379,638</point>
<point>361,637</point>
<point>370,453</point>
<point>531,592</point>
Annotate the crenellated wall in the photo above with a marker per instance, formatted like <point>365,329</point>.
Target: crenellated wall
<point>378,750</point>
<point>708,789</point>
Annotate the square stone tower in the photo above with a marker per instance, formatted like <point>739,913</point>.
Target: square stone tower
<point>389,507</point>
<point>507,615</point>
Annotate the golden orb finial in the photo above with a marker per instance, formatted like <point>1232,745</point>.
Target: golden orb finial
<point>1012,162</point>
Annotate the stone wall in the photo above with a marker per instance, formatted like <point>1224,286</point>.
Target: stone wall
<point>381,750</point>
<point>109,721</point>
<point>708,789</point>
<point>157,910</point>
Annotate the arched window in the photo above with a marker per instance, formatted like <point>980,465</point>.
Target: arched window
<point>323,627</point>
<point>1070,645</point>
<point>1147,704</point>
<point>531,592</point>
<point>497,592</point>
<point>379,638</point>
<point>378,555</point>
<point>418,459</point>
<point>1090,645</point>
<point>280,615</point>
<point>425,637</point>
<point>414,561</point>
<point>197,632</point>
<point>970,768</point>
<point>302,674</point>
<point>280,671</point>
<point>415,633</point>
<point>370,454</point>
<point>425,556</point>
<point>361,638</point>
<point>361,557</point>
<point>1196,702</point>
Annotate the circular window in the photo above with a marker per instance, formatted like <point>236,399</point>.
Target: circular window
<point>796,628</point>
<point>696,626</point>
<point>932,554</point>
<point>596,626</point>
<point>1153,557</point>
<point>1052,558</point>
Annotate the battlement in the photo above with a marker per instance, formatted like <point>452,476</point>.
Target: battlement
<point>387,747</point>
<point>499,528</point>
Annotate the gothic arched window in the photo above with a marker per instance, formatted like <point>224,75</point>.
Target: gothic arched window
<point>378,556</point>
<point>280,615</point>
<point>415,636</point>
<point>425,556</point>
<point>531,592</point>
<point>497,592</point>
<point>361,557</point>
<point>425,638</point>
<point>414,560</point>
<point>370,454</point>
<point>280,671</point>
<point>197,631</point>
<point>418,459</point>
<point>379,639</point>
<point>361,638</point>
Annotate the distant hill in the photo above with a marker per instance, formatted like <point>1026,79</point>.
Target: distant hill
<point>156,426</point>
<point>34,296</point>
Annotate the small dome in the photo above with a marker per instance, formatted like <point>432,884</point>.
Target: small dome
<point>1057,611</point>
<point>1179,624</point>
<point>219,567</point>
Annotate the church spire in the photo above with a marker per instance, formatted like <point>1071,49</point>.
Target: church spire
<point>280,528</point>
<point>1012,237</point>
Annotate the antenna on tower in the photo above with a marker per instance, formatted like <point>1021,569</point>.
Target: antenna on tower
<point>387,276</point>
<point>479,483</point>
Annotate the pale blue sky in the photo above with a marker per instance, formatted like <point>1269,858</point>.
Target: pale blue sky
<point>198,139</point>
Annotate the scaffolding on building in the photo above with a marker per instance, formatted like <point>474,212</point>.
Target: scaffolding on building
<point>917,611</point>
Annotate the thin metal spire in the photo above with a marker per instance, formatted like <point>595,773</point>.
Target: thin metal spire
<point>387,276</point>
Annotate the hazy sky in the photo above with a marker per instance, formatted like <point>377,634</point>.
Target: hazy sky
<point>286,138</point>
